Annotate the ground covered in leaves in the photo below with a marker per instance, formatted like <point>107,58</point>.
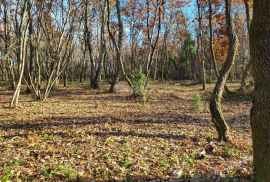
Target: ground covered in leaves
<point>82,135</point>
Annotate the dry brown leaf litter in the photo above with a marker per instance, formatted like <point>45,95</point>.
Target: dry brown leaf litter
<point>79,134</point>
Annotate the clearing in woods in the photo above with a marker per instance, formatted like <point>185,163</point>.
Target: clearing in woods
<point>81,134</point>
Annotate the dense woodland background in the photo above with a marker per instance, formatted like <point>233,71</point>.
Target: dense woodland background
<point>45,43</point>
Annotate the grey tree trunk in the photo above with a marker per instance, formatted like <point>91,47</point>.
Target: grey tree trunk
<point>212,54</point>
<point>246,74</point>
<point>21,54</point>
<point>199,52</point>
<point>117,46</point>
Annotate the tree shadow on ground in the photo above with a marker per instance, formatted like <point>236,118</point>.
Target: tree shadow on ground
<point>142,135</point>
<point>212,178</point>
<point>240,122</point>
<point>58,123</point>
<point>134,118</point>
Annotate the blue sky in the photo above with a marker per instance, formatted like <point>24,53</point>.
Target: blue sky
<point>190,12</point>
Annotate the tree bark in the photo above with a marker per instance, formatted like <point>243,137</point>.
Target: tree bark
<point>117,46</point>
<point>199,52</point>
<point>246,74</point>
<point>94,72</point>
<point>153,40</point>
<point>260,113</point>
<point>212,54</point>
<point>215,102</point>
<point>102,51</point>
<point>29,68</point>
<point>21,54</point>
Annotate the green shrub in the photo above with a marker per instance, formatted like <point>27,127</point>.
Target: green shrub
<point>97,105</point>
<point>228,151</point>
<point>2,139</point>
<point>126,161</point>
<point>188,164</point>
<point>65,170</point>
<point>9,174</point>
<point>138,81</point>
<point>198,103</point>
<point>163,165</point>
<point>209,135</point>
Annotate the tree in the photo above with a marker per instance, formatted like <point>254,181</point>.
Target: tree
<point>212,54</point>
<point>155,24</point>
<point>260,113</point>
<point>211,46</point>
<point>215,101</point>
<point>22,26</point>
<point>248,66</point>
<point>95,66</point>
<point>117,46</point>
<point>199,44</point>
<point>54,45</point>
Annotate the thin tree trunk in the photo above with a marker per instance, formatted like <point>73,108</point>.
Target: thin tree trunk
<point>117,46</point>
<point>199,52</point>
<point>102,51</point>
<point>260,113</point>
<point>29,70</point>
<point>88,37</point>
<point>246,73</point>
<point>21,54</point>
<point>215,101</point>
<point>212,54</point>
<point>83,66</point>
<point>153,43</point>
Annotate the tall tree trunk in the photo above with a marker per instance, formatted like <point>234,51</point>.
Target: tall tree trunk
<point>215,101</point>
<point>260,113</point>
<point>199,52</point>
<point>21,54</point>
<point>15,97</point>
<point>117,46</point>
<point>102,51</point>
<point>212,54</point>
<point>29,70</point>
<point>246,73</point>
<point>153,40</point>
<point>10,67</point>
<point>88,44</point>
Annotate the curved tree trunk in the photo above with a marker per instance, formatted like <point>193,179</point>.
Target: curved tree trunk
<point>215,102</point>
<point>260,113</point>
<point>212,53</point>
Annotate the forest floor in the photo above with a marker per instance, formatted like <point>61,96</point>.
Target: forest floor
<point>83,135</point>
